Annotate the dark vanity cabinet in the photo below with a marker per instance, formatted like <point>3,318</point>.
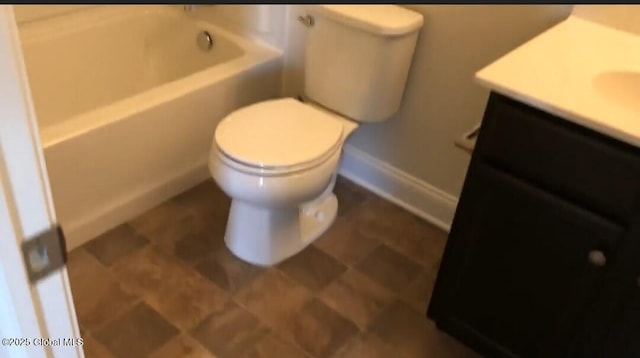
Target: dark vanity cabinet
<point>543,257</point>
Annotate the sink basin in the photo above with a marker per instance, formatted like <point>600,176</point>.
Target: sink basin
<point>620,87</point>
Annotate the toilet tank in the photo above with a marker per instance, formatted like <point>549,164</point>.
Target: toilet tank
<point>357,58</point>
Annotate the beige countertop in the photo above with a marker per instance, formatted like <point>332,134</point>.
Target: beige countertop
<point>580,70</point>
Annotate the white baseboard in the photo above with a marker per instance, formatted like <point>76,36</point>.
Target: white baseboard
<point>406,191</point>
<point>106,218</point>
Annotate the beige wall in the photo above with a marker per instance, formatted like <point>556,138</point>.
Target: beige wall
<point>26,13</point>
<point>441,99</point>
<point>622,17</point>
<point>264,22</point>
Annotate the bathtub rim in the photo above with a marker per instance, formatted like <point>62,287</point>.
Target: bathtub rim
<point>254,53</point>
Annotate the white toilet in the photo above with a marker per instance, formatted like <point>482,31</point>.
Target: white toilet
<point>278,159</point>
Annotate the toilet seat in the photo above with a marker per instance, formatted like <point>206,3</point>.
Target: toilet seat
<point>277,136</point>
<point>273,171</point>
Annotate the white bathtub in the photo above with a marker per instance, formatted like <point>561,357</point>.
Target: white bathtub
<point>127,104</point>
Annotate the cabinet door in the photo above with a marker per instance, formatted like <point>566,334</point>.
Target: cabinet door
<point>622,331</point>
<point>597,173</point>
<point>613,326</point>
<point>516,272</point>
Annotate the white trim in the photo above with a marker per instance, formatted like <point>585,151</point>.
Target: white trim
<point>45,309</point>
<point>19,309</point>
<point>405,190</point>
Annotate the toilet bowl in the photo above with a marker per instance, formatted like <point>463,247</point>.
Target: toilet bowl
<point>277,160</point>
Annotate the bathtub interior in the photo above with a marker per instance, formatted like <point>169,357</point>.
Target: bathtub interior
<point>74,65</point>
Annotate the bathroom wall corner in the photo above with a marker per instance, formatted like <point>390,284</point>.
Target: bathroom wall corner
<point>403,189</point>
<point>412,159</point>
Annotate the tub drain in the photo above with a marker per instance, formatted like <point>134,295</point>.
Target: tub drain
<point>204,41</point>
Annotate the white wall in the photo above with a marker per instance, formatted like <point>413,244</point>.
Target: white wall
<point>441,99</point>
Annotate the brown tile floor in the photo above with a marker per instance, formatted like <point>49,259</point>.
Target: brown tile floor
<point>164,285</point>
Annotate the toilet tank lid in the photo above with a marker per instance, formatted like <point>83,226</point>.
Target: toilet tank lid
<point>390,20</point>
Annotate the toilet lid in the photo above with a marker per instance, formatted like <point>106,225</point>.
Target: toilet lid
<point>277,133</point>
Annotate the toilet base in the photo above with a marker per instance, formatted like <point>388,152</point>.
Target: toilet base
<point>267,236</point>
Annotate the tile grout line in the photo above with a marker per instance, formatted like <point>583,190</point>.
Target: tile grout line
<point>271,328</point>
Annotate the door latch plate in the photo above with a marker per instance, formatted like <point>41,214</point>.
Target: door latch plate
<point>44,253</point>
